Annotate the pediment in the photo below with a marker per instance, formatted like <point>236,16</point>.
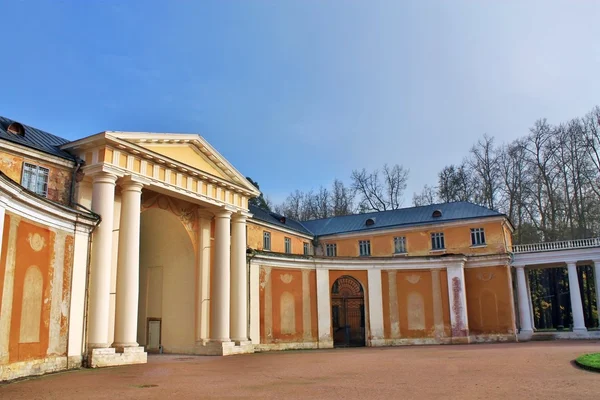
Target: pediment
<point>191,150</point>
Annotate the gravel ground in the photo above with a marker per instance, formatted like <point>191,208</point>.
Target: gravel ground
<point>488,371</point>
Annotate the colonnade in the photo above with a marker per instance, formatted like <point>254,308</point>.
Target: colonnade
<point>228,295</point>
<point>525,305</point>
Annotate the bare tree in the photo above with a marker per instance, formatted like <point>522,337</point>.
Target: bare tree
<point>380,192</point>
<point>484,164</point>
<point>455,183</point>
<point>427,196</point>
<point>342,199</point>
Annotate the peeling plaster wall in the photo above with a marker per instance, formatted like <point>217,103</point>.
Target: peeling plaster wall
<point>489,301</point>
<point>288,305</point>
<point>59,178</point>
<point>418,241</point>
<point>415,304</point>
<point>35,275</point>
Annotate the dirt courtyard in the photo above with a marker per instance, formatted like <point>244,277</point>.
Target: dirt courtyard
<point>490,371</point>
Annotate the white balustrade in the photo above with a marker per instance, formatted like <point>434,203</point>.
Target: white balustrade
<point>562,245</point>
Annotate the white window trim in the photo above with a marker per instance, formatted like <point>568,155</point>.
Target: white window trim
<point>367,243</point>
<point>287,242</point>
<point>394,244</point>
<point>36,175</point>
<point>438,235</point>
<point>265,235</point>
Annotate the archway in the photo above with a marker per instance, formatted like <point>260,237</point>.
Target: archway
<point>348,312</point>
<point>167,291</point>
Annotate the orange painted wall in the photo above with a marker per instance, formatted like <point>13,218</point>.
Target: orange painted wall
<point>42,259</point>
<point>418,242</point>
<point>489,302</point>
<point>289,281</point>
<point>255,239</point>
<point>424,288</point>
<point>59,179</point>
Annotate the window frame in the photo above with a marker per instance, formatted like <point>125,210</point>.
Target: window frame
<point>332,247</point>
<point>402,240</point>
<point>364,248</point>
<point>306,248</point>
<point>438,242</point>
<point>266,240</point>
<point>35,171</point>
<point>287,245</point>
<point>478,237</point>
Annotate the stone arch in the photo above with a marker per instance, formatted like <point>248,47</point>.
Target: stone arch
<point>31,306</point>
<point>287,311</point>
<point>167,280</point>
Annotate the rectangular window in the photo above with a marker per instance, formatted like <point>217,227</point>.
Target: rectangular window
<point>364,247</point>
<point>331,250</point>
<point>400,245</point>
<point>437,241</point>
<point>288,245</point>
<point>35,178</point>
<point>266,240</point>
<point>306,249</point>
<point>477,237</point>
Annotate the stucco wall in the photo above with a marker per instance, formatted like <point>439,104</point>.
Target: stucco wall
<point>255,239</point>
<point>59,178</point>
<point>34,321</point>
<point>418,241</point>
<point>288,305</point>
<point>489,301</point>
<point>415,304</point>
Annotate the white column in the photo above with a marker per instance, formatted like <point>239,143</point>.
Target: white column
<point>220,296</point>
<point>239,280</point>
<point>458,303</point>
<point>524,312</point>
<point>375,306</point>
<point>128,265</point>
<point>255,303</point>
<point>324,308</point>
<point>78,279</point>
<point>203,265</point>
<point>103,198</point>
<point>8,288</point>
<point>576,306</point>
<point>597,282</point>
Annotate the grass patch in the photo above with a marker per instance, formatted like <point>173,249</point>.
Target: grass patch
<point>589,361</point>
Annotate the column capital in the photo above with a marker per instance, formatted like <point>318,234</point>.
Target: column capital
<point>239,218</point>
<point>519,266</point>
<point>571,263</point>
<point>104,177</point>
<point>132,183</point>
<point>223,213</point>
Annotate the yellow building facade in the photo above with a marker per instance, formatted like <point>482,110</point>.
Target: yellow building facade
<point>159,250</point>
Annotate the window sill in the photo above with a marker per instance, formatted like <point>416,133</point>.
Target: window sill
<point>437,251</point>
<point>476,246</point>
<point>400,254</point>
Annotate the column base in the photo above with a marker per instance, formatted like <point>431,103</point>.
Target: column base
<point>110,357</point>
<point>525,335</point>
<point>119,347</point>
<point>580,331</point>
<point>223,348</point>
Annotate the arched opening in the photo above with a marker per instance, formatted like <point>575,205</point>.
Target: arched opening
<point>167,290</point>
<point>348,312</point>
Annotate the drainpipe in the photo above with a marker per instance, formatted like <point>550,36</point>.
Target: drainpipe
<point>250,254</point>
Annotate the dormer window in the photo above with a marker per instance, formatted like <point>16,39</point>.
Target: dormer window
<point>16,129</point>
<point>282,220</point>
<point>370,222</point>
<point>436,214</point>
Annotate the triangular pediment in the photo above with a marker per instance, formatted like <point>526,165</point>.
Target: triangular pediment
<point>189,155</point>
<point>192,151</point>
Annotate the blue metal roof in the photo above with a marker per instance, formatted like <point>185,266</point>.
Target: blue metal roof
<point>398,218</point>
<point>275,219</point>
<point>35,139</point>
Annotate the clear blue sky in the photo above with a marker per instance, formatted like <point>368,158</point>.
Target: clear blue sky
<point>296,93</point>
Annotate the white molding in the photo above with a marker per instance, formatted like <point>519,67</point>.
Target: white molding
<point>38,155</point>
<point>15,199</point>
<point>556,257</point>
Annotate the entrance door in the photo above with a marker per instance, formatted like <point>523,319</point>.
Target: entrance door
<point>153,343</point>
<point>348,312</point>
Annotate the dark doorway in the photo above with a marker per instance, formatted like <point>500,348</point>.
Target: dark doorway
<point>348,312</point>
